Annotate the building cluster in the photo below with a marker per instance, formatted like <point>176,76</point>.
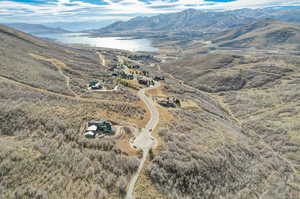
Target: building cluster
<point>124,72</point>
<point>133,66</point>
<point>131,72</point>
<point>123,75</point>
<point>98,128</point>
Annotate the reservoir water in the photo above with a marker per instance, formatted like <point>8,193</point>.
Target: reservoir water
<point>106,42</point>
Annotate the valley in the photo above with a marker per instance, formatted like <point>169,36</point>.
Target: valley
<point>212,114</point>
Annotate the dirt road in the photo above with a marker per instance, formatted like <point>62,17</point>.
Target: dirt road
<point>102,59</point>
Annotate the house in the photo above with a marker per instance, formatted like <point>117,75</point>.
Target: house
<point>143,81</point>
<point>92,128</point>
<point>126,76</point>
<point>105,127</point>
<point>133,66</point>
<point>170,102</point>
<point>147,82</point>
<point>100,126</point>
<point>94,85</point>
<point>115,74</point>
<point>159,78</point>
<point>119,66</point>
<point>123,75</point>
<point>145,73</point>
<point>89,134</point>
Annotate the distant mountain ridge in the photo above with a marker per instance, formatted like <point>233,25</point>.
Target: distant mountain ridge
<point>198,20</point>
<point>264,33</point>
<point>188,20</point>
<point>36,28</point>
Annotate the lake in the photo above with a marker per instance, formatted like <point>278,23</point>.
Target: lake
<point>106,42</point>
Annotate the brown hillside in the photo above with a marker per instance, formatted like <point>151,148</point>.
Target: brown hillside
<point>263,34</point>
<point>42,109</point>
<point>260,93</point>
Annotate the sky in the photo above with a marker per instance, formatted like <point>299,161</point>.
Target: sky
<point>76,11</point>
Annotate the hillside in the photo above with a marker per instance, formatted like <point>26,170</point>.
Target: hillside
<point>44,106</point>
<point>233,131</point>
<point>18,51</point>
<point>36,28</point>
<point>261,93</point>
<point>263,34</point>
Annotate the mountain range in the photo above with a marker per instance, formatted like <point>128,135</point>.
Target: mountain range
<point>195,21</point>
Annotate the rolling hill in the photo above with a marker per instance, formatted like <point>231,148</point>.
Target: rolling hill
<point>234,133</point>
<point>43,107</point>
<point>19,60</point>
<point>263,34</point>
<point>259,90</point>
<point>36,28</point>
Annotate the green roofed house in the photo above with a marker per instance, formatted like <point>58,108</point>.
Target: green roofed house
<point>89,134</point>
<point>106,127</point>
<point>100,126</point>
<point>94,85</point>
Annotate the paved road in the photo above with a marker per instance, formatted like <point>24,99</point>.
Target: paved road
<point>144,140</point>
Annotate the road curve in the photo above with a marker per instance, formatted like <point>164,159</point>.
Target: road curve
<point>144,140</point>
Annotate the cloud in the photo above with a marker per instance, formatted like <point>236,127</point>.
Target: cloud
<point>39,11</point>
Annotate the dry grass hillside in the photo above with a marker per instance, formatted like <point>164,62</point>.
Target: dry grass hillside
<point>244,142</point>
<point>263,34</point>
<point>266,35</point>
<point>43,106</point>
<point>234,134</point>
<point>37,62</point>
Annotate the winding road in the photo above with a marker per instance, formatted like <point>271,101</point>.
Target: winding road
<point>144,140</point>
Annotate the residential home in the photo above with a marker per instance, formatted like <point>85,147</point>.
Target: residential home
<point>94,85</point>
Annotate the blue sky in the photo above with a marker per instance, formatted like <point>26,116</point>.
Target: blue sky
<point>49,11</point>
